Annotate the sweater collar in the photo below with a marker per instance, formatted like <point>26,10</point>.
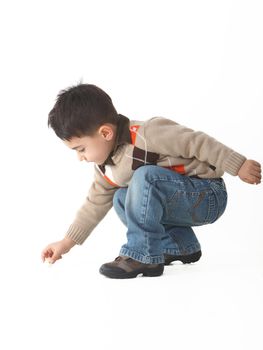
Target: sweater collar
<point>122,136</point>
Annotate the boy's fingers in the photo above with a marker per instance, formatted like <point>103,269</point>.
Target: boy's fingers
<point>256,168</point>
<point>44,255</point>
<point>254,180</point>
<point>50,253</point>
<point>251,180</point>
<point>54,258</point>
<point>255,174</point>
<point>258,165</point>
<point>254,177</point>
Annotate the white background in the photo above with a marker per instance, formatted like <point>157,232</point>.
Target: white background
<point>196,62</point>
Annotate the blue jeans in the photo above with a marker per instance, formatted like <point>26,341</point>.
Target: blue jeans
<point>159,209</point>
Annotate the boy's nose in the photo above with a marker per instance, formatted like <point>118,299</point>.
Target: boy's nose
<point>81,157</point>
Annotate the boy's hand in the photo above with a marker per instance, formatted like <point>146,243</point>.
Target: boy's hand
<point>250,172</point>
<point>54,251</point>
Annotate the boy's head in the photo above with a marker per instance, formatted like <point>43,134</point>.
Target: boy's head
<point>85,119</point>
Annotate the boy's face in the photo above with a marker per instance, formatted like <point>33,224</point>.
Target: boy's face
<point>94,148</point>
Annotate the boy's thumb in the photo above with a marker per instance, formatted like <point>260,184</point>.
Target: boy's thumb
<point>54,258</point>
<point>51,260</point>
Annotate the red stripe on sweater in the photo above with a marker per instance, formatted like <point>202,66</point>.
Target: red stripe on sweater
<point>109,181</point>
<point>177,168</point>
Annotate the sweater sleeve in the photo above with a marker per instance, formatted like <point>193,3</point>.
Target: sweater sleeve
<point>97,204</point>
<point>168,137</point>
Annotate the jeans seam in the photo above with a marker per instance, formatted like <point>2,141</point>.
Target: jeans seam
<point>145,204</point>
<point>211,206</point>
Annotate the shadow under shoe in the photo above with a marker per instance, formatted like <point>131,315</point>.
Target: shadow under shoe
<point>125,267</point>
<point>185,259</point>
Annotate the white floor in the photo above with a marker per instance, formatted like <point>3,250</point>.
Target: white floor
<point>213,304</point>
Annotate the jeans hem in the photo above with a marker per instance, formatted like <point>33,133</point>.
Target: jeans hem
<point>183,251</point>
<point>158,259</point>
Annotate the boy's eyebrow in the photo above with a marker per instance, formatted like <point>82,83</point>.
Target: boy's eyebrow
<point>77,147</point>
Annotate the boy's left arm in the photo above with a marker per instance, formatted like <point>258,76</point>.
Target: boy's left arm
<point>250,172</point>
<point>168,137</point>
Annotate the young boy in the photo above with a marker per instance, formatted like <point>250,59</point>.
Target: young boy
<point>161,177</point>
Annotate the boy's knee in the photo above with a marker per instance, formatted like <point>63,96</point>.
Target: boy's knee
<point>119,197</point>
<point>143,171</point>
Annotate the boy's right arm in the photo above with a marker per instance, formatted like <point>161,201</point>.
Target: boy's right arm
<point>95,207</point>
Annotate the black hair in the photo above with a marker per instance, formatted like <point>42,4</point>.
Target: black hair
<point>80,110</point>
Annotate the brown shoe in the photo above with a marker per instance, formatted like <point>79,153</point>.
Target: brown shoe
<point>185,259</point>
<point>125,267</point>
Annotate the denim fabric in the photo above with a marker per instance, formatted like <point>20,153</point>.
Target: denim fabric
<point>159,209</point>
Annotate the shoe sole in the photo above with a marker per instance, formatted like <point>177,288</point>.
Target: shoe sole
<point>132,274</point>
<point>188,259</point>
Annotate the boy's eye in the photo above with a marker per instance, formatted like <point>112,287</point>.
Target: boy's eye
<point>82,150</point>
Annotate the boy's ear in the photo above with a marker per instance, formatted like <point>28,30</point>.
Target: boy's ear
<point>106,132</point>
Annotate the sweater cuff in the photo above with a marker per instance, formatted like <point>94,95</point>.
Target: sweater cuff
<point>234,163</point>
<point>76,234</point>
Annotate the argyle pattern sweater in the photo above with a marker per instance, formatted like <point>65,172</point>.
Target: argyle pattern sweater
<point>157,141</point>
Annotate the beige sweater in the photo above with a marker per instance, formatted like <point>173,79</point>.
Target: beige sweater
<point>157,141</point>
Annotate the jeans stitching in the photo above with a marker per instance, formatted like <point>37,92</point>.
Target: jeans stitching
<point>144,204</point>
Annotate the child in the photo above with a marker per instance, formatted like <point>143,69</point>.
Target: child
<point>161,177</point>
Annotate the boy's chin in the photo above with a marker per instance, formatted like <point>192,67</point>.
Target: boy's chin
<point>101,162</point>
